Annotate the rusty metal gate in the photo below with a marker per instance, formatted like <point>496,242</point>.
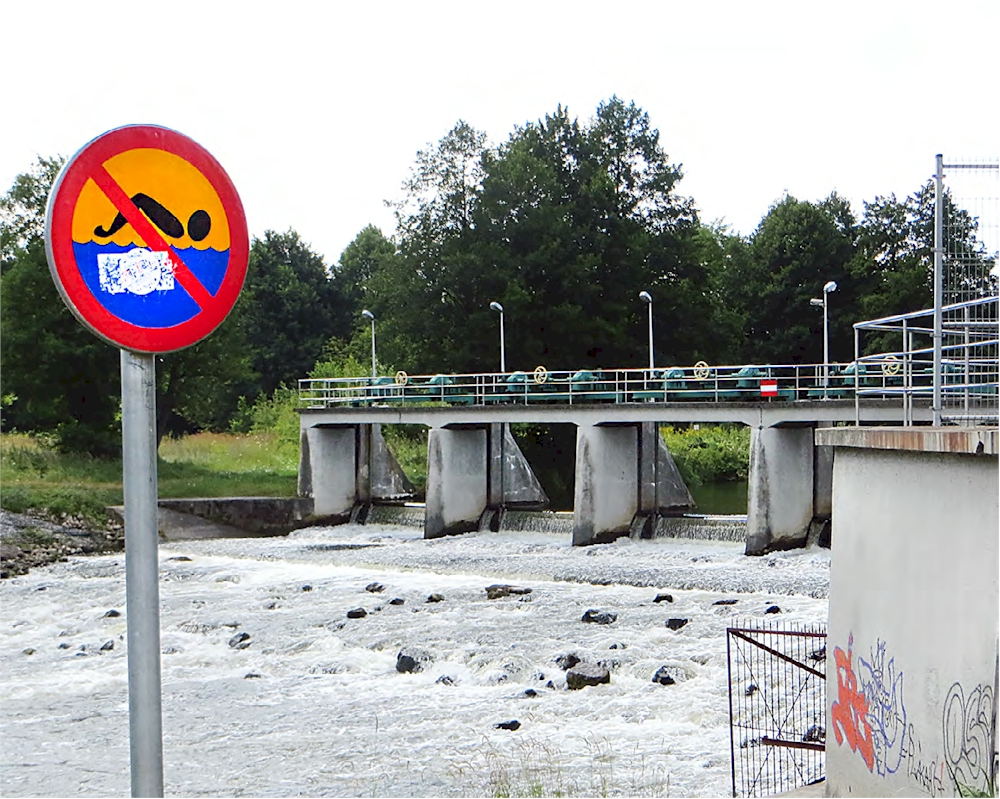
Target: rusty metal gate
<point>777,707</point>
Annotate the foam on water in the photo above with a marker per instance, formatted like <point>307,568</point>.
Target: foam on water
<point>314,706</point>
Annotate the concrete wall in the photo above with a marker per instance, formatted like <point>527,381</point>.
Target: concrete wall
<point>606,491</point>
<point>780,495</point>
<point>330,456</point>
<point>457,480</point>
<point>258,515</point>
<point>912,649</point>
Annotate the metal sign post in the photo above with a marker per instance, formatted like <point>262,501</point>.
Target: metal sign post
<point>142,590</point>
<point>147,244</point>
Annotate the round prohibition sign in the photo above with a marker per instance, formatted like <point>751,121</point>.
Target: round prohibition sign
<point>146,239</point>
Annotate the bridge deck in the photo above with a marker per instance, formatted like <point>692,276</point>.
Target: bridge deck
<point>755,414</point>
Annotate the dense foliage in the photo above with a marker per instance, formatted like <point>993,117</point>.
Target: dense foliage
<point>564,223</point>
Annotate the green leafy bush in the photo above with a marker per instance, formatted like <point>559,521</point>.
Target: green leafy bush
<point>710,453</point>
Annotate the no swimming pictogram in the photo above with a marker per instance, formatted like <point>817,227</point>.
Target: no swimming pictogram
<point>146,239</point>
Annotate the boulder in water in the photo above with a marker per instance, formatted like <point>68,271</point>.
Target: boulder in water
<point>599,617</point>
<point>499,591</point>
<point>565,662</point>
<point>357,613</point>
<point>663,598</point>
<point>584,674</point>
<point>412,660</point>
<point>240,640</point>
<point>676,624</point>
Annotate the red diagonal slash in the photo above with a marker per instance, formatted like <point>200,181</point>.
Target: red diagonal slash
<point>150,235</point>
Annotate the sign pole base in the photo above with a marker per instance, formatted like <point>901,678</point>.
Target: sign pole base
<point>142,593</point>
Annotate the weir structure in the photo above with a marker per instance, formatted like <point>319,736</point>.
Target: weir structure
<point>624,475</point>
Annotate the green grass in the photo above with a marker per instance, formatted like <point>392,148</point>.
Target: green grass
<point>34,475</point>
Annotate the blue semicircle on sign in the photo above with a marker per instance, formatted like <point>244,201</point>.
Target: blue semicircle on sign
<point>130,284</point>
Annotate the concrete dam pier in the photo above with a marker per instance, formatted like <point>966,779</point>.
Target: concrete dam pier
<point>625,477</point>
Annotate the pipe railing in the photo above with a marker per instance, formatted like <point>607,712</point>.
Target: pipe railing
<point>964,372</point>
<point>702,382</point>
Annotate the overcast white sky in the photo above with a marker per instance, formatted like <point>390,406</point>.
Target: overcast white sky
<point>317,110</point>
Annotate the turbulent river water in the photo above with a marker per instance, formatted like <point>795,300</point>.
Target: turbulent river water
<point>314,705</point>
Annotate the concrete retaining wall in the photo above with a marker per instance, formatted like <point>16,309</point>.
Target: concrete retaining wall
<point>258,515</point>
<point>913,643</point>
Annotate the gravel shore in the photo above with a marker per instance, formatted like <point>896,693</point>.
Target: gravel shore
<point>29,540</point>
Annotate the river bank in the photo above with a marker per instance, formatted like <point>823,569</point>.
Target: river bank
<point>36,538</point>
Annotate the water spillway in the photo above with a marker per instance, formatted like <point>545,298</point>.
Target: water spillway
<point>689,526</point>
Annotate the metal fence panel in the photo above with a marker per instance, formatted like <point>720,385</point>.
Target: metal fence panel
<point>777,707</point>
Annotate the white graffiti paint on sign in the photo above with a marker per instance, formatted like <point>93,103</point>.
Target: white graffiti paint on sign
<point>138,271</point>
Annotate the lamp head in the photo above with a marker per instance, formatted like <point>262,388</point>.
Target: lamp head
<point>831,286</point>
<point>368,314</point>
<point>495,306</point>
<point>644,296</point>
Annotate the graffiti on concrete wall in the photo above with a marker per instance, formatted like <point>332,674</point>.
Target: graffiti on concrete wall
<point>870,717</point>
<point>882,686</point>
<point>849,714</point>
<point>869,714</point>
<point>966,724</point>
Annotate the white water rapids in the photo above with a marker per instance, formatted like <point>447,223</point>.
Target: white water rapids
<point>314,706</point>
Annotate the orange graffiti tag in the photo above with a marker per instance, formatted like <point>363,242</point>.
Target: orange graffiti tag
<point>849,713</point>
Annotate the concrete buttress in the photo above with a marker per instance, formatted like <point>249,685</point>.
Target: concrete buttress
<point>781,491</point>
<point>472,473</point>
<point>346,465</point>
<point>625,477</point>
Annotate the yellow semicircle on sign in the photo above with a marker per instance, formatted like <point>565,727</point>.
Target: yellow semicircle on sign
<point>170,181</point>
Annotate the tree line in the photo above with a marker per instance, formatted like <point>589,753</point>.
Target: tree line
<point>564,224</point>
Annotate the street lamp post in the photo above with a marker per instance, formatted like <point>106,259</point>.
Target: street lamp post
<point>495,306</point>
<point>830,287</point>
<point>369,315</point>
<point>646,298</point>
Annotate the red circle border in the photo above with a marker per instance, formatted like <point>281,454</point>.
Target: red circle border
<point>62,258</point>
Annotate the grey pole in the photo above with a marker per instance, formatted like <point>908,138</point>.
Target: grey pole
<point>503,355</point>
<point>830,286</point>
<point>826,347</point>
<point>938,278</point>
<point>495,306</point>
<point>142,591</point>
<point>369,315</point>
<point>646,298</point>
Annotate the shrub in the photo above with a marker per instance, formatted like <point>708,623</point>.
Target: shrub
<point>711,453</point>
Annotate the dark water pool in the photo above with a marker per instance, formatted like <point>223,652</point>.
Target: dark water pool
<point>722,498</point>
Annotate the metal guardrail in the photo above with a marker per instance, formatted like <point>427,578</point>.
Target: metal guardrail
<point>701,382</point>
<point>969,375</point>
